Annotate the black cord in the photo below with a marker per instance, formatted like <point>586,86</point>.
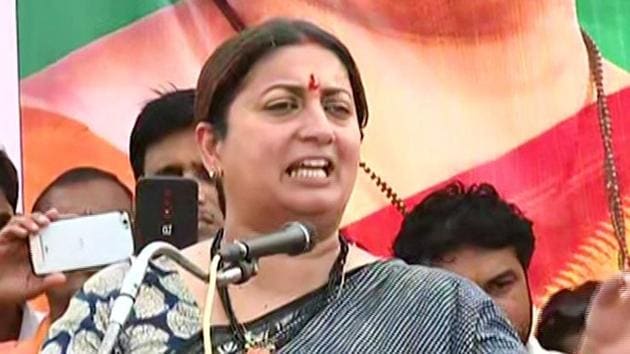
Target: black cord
<point>238,330</point>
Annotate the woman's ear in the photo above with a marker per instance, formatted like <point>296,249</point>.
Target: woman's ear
<point>208,145</point>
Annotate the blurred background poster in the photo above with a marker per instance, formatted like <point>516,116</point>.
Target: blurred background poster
<point>494,91</point>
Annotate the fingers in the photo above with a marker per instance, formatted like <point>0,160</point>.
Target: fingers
<point>21,226</point>
<point>18,227</point>
<point>40,219</point>
<point>37,285</point>
<point>613,290</point>
<point>26,222</point>
<point>54,279</point>
<point>13,231</point>
<point>52,214</point>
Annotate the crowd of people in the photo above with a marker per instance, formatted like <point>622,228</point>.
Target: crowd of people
<point>272,134</point>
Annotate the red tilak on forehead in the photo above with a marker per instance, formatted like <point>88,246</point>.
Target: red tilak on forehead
<point>312,83</point>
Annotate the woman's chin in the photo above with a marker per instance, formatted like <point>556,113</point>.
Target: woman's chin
<point>314,205</point>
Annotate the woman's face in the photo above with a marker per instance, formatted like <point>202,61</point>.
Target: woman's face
<point>292,143</point>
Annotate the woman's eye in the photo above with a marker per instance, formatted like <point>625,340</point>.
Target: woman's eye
<point>282,106</point>
<point>338,109</point>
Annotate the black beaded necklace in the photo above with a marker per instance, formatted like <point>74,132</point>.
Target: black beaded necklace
<point>238,329</point>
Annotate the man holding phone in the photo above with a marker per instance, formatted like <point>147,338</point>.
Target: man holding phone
<point>17,281</point>
<point>79,191</point>
<point>162,143</point>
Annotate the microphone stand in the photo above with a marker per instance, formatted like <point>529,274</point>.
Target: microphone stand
<point>233,274</point>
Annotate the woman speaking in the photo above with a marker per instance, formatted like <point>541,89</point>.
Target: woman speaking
<point>281,111</point>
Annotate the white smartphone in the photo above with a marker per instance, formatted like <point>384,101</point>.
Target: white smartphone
<point>81,243</point>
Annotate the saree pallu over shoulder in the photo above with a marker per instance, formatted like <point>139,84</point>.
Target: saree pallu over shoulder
<point>396,308</point>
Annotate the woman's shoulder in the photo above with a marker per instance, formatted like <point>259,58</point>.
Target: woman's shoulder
<point>415,285</point>
<point>162,307</point>
<point>398,273</point>
<point>87,314</point>
<point>107,282</point>
<point>416,309</point>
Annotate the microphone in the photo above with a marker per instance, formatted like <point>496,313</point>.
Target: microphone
<point>294,238</point>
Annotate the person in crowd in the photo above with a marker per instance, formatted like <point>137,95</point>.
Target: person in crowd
<point>21,323</point>
<point>8,188</point>
<point>281,112</point>
<point>79,191</point>
<point>19,320</point>
<point>471,231</point>
<point>162,142</point>
<point>562,319</point>
<point>474,233</point>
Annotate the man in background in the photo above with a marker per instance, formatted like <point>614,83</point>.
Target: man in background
<point>79,191</point>
<point>19,320</point>
<point>474,233</point>
<point>162,143</point>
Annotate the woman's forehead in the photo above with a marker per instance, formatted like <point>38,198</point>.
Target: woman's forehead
<point>297,64</point>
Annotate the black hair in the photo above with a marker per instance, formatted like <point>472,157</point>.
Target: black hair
<point>165,115</point>
<point>454,217</point>
<point>565,315</point>
<point>171,112</point>
<point>223,73</point>
<point>9,184</point>
<point>77,175</point>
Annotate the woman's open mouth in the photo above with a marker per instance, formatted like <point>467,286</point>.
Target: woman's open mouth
<point>310,168</point>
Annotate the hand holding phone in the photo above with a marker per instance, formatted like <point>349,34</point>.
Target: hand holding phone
<point>82,243</point>
<point>18,283</point>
